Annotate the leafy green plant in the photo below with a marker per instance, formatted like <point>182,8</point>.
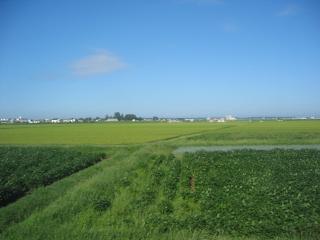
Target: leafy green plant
<point>24,169</point>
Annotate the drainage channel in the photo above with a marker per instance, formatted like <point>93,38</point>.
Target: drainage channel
<point>191,149</point>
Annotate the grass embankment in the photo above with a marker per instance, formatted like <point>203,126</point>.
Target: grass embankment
<point>24,169</point>
<point>142,194</point>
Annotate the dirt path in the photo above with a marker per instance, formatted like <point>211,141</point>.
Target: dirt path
<point>189,135</point>
<point>191,149</point>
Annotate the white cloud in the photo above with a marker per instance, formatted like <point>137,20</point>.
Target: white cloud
<point>101,62</point>
<point>288,10</point>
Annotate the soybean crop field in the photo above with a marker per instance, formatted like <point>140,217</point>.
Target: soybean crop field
<point>24,169</point>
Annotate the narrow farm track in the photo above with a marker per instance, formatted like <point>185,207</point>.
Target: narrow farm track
<point>192,149</point>
<point>190,135</point>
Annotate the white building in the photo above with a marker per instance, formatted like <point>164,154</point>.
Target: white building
<point>55,120</point>
<point>230,118</point>
<point>219,120</point>
<point>33,121</point>
<point>173,121</point>
<point>112,120</point>
<point>72,120</point>
<point>189,120</point>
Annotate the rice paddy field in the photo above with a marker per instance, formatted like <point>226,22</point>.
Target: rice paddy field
<point>122,181</point>
<point>98,133</point>
<point>201,133</point>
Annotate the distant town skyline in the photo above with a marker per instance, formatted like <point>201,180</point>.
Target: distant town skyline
<point>111,118</point>
<point>170,58</point>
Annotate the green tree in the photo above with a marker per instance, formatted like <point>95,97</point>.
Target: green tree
<point>118,116</point>
<point>130,117</point>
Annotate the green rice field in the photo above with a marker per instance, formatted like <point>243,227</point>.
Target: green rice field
<point>268,132</point>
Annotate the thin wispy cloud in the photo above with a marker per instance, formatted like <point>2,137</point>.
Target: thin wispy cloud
<point>289,10</point>
<point>101,62</point>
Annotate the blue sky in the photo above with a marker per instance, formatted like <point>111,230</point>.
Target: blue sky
<point>184,58</point>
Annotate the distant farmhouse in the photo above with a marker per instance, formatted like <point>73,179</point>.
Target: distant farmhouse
<point>173,121</point>
<point>230,118</point>
<point>72,120</point>
<point>55,120</point>
<point>222,120</point>
<point>33,121</point>
<point>189,120</point>
<point>112,120</point>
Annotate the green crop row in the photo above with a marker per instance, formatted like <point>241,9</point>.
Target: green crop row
<point>241,193</point>
<point>24,169</point>
<point>255,192</point>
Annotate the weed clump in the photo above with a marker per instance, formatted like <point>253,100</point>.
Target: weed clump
<point>102,204</point>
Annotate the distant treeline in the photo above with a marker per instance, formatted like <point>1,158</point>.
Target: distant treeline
<point>117,115</point>
<point>124,117</point>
